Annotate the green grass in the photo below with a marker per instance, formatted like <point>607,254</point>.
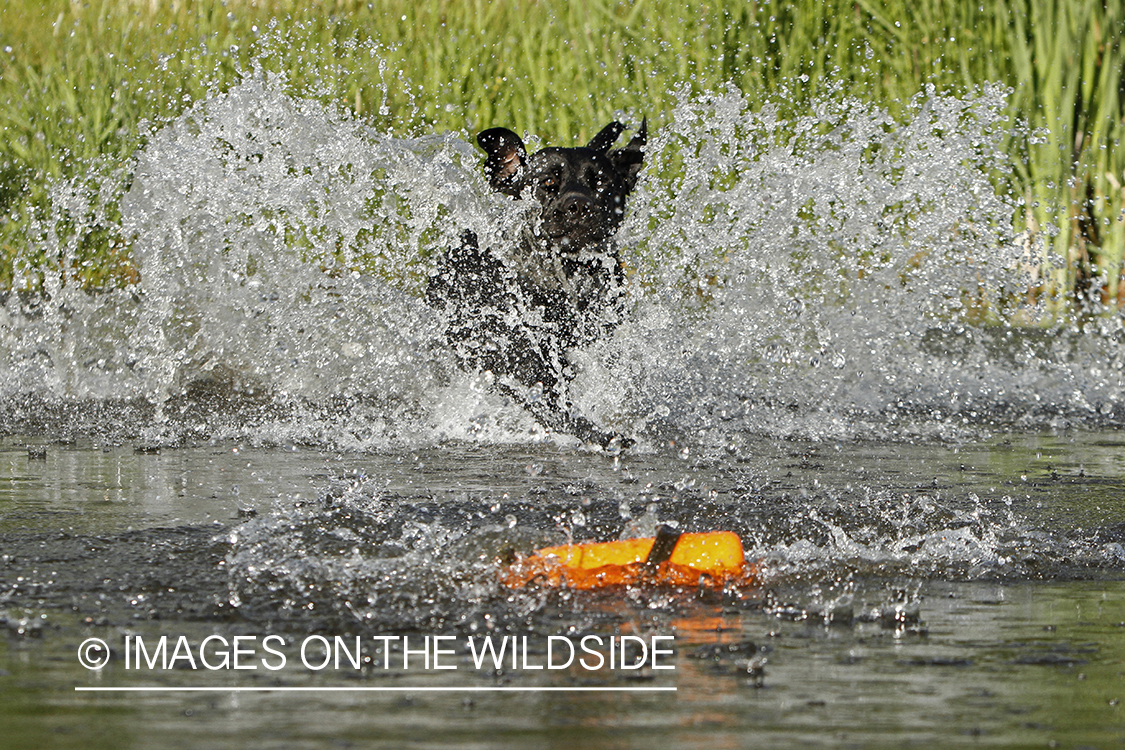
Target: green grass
<point>81,84</point>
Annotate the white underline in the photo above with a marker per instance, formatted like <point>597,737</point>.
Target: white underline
<point>376,689</point>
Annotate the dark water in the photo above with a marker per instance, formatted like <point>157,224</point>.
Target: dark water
<point>910,594</point>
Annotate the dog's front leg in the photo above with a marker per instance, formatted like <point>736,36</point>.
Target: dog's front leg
<point>549,415</point>
<point>466,277</point>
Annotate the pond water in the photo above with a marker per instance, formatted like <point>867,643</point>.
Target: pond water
<point>831,352</point>
<point>907,593</point>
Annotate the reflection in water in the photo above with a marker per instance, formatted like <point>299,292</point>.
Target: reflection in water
<point>1015,665</point>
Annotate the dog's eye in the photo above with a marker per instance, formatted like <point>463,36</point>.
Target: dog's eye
<point>549,183</point>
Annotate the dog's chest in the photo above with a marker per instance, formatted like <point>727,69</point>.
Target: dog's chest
<point>581,291</point>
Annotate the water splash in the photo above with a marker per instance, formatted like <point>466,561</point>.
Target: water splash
<point>364,555</point>
<point>843,273</point>
<point>836,275</point>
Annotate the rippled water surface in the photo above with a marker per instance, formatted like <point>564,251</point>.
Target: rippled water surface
<point>831,350</point>
<point>970,593</point>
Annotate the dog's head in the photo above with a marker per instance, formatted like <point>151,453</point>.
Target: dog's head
<point>581,190</point>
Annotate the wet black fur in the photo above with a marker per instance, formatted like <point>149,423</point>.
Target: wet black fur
<point>516,311</point>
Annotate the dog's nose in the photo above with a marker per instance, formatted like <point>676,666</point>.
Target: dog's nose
<point>576,206</point>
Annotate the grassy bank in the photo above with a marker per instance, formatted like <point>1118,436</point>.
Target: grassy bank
<point>83,83</point>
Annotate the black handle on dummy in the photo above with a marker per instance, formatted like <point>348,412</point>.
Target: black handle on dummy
<point>663,546</point>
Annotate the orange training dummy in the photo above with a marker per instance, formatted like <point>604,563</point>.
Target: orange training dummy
<point>668,559</point>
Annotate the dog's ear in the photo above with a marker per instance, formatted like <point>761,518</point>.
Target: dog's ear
<point>506,158</point>
<point>603,140</point>
<point>628,160</point>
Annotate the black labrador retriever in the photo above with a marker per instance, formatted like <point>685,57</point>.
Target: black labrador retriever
<point>559,285</point>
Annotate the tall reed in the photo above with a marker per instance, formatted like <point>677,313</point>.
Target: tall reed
<point>81,85</point>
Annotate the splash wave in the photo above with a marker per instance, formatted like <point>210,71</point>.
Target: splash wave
<point>837,275</point>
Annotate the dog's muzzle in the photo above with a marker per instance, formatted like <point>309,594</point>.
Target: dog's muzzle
<point>575,221</point>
